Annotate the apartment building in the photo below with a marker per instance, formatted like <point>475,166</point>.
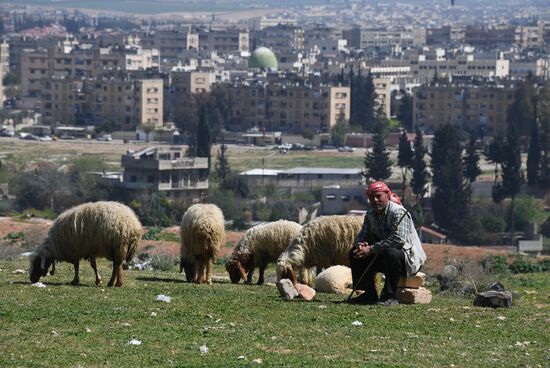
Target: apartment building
<point>171,44</point>
<point>184,83</point>
<point>280,38</point>
<point>423,68</point>
<point>230,40</point>
<point>128,103</point>
<point>4,57</point>
<point>479,109</point>
<point>362,38</point>
<point>289,107</point>
<point>165,170</point>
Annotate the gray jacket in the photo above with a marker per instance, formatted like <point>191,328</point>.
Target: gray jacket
<point>384,231</point>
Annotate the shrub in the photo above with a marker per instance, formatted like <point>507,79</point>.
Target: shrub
<point>163,262</point>
<point>152,234</point>
<point>15,236</point>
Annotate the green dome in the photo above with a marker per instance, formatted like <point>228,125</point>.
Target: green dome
<point>264,58</point>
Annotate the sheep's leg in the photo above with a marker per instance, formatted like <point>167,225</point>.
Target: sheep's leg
<point>249,276</point>
<point>76,280</point>
<point>261,272</point>
<point>199,275</point>
<point>120,275</point>
<point>113,275</point>
<point>94,267</point>
<point>209,271</point>
<point>52,271</point>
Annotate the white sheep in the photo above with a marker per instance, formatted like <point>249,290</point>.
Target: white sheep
<point>259,246</point>
<point>202,235</point>
<point>335,280</point>
<point>89,231</point>
<point>324,242</point>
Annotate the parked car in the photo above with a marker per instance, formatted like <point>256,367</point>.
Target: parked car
<point>7,133</point>
<point>45,138</point>
<point>346,149</point>
<point>30,137</point>
<point>67,136</point>
<point>105,138</point>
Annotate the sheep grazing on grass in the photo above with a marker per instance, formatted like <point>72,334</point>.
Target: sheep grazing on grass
<point>260,246</point>
<point>89,231</point>
<point>324,242</point>
<point>202,236</point>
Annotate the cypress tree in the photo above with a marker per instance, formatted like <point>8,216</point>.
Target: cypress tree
<point>533,156</point>
<point>543,112</point>
<point>404,159</point>
<point>494,153</point>
<point>471,162</point>
<point>420,174</point>
<point>452,192</point>
<point>378,163</point>
<point>204,139</point>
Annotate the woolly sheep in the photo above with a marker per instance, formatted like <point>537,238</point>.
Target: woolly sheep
<point>202,235</point>
<point>89,231</point>
<point>335,280</point>
<point>324,242</point>
<point>259,246</point>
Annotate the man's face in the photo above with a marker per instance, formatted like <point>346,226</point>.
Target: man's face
<point>379,201</point>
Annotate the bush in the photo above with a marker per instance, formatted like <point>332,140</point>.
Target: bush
<point>163,262</point>
<point>15,236</point>
<point>152,234</point>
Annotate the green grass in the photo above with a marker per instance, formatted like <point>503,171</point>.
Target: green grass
<point>251,321</point>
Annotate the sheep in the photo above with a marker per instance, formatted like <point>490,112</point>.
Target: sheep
<point>335,279</point>
<point>259,246</point>
<point>202,235</point>
<point>324,242</point>
<point>89,231</point>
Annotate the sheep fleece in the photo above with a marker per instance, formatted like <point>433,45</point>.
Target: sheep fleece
<point>94,230</point>
<point>202,232</point>
<point>324,242</point>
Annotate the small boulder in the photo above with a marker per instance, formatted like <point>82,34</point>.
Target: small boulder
<point>414,296</point>
<point>413,282</point>
<point>493,299</point>
<point>286,289</point>
<point>305,291</point>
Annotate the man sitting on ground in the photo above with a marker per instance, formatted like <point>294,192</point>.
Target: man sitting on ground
<point>389,241</point>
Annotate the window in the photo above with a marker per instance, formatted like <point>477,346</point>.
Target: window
<point>133,178</point>
<point>150,179</point>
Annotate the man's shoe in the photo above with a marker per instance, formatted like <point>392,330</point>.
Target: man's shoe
<point>364,299</point>
<point>390,302</point>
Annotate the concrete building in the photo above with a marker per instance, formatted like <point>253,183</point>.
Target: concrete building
<point>363,38</point>
<point>127,103</point>
<point>289,108</point>
<point>479,109</point>
<point>166,171</point>
<point>280,38</point>
<point>230,40</point>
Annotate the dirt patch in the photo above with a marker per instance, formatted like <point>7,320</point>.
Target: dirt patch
<point>440,255</point>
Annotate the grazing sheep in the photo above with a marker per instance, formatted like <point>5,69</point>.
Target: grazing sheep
<point>89,231</point>
<point>335,280</point>
<point>202,235</point>
<point>259,246</point>
<point>324,242</point>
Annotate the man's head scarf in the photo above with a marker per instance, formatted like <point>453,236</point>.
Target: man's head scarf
<point>380,186</point>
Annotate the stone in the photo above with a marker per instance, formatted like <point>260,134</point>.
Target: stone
<point>414,296</point>
<point>305,291</point>
<point>286,289</point>
<point>496,286</point>
<point>493,299</point>
<point>412,282</point>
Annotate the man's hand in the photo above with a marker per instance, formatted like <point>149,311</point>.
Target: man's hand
<point>363,250</point>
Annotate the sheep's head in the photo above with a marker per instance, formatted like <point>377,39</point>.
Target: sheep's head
<point>39,266</point>
<point>235,270</point>
<point>286,272</point>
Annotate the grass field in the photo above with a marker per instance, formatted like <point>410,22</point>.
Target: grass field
<point>89,326</point>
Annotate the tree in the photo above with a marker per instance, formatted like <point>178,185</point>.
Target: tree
<point>338,133</point>
<point>405,112</point>
<point>543,113</point>
<point>521,112</point>
<point>404,159</point>
<point>420,174</point>
<point>377,162</point>
<point>204,140</point>
<point>495,151</point>
<point>452,193</point>
<point>471,161</point>
<point>147,129</point>
<point>222,165</point>
<point>533,156</point>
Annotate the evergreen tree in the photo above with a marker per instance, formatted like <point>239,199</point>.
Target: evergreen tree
<point>533,156</point>
<point>368,103</point>
<point>543,112</point>
<point>404,159</point>
<point>420,174</point>
<point>522,111</point>
<point>494,152</point>
<point>471,161</point>
<point>378,163</point>
<point>204,139</point>
<point>222,165</point>
<point>452,193</point>
<point>405,113</point>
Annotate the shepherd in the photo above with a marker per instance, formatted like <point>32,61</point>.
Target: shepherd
<point>387,243</point>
